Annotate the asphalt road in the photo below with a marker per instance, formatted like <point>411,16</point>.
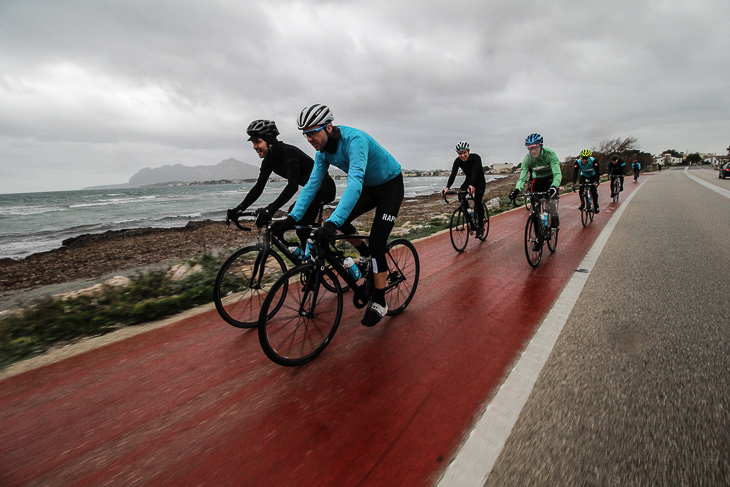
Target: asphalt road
<point>637,388</point>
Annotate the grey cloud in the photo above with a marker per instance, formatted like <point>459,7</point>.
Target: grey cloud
<point>147,84</point>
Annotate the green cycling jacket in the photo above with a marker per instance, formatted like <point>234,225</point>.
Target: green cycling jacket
<point>544,166</point>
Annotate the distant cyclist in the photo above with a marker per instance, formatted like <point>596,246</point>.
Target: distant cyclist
<point>474,181</point>
<point>587,167</point>
<point>617,167</point>
<point>374,181</point>
<point>546,173</point>
<point>286,161</point>
<point>637,169</point>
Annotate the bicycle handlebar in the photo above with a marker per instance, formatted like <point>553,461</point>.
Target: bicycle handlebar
<point>234,218</point>
<point>460,192</point>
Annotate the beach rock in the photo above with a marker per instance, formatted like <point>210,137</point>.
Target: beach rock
<point>179,272</point>
<point>96,290</point>
<point>493,203</point>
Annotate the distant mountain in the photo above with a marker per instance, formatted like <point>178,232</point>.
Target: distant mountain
<point>228,169</point>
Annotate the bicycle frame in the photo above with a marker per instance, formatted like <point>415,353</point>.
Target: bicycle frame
<point>464,198</point>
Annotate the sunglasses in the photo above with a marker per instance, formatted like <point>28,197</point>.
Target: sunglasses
<point>312,132</point>
<point>533,146</point>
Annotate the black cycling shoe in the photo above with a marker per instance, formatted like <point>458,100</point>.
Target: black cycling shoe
<point>374,313</point>
<point>480,232</point>
<point>597,210</point>
<point>581,207</point>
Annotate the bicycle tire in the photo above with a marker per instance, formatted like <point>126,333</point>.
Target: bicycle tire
<point>486,222</point>
<point>533,240</point>
<point>591,214</point>
<point>615,189</point>
<point>459,230</point>
<point>552,241</point>
<point>237,294</point>
<point>307,320</point>
<point>404,271</point>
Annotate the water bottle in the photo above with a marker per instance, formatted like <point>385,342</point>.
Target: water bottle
<point>354,271</point>
<point>308,248</point>
<point>297,252</point>
<point>544,220</point>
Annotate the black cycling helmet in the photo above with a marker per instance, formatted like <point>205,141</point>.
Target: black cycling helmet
<point>314,115</point>
<point>614,158</point>
<point>262,129</point>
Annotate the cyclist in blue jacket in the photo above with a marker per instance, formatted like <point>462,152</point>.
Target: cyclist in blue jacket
<point>374,181</point>
<point>587,166</point>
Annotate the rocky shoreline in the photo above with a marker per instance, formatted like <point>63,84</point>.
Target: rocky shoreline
<point>94,256</point>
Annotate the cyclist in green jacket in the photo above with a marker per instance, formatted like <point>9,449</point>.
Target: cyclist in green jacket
<point>545,167</point>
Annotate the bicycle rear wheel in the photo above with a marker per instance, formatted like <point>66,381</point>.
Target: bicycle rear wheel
<point>533,240</point>
<point>242,284</point>
<point>307,319</point>
<point>486,222</point>
<point>404,270</point>
<point>615,186</point>
<point>591,213</point>
<point>552,240</point>
<point>459,230</point>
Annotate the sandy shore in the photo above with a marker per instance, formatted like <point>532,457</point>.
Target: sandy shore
<point>91,257</point>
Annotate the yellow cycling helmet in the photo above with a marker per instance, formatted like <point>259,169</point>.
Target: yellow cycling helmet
<point>585,153</point>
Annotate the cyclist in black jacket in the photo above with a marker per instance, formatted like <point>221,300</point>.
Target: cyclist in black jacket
<point>617,167</point>
<point>475,182</point>
<point>289,162</point>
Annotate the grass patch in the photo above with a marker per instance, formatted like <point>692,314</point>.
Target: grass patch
<point>149,297</point>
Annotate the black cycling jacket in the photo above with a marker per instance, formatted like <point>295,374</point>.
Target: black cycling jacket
<point>286,161</point>
<point>473,170</point>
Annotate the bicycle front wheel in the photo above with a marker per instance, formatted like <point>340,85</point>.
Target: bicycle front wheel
<point>533,240</point>
<point>242,284</point>
<point>404,270</point>
<point>459,230</point>
<point>615,186</point>
<point>307,319</point>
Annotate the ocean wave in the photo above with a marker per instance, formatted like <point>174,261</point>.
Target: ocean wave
<point>28,210</point>
<point>114,201</point>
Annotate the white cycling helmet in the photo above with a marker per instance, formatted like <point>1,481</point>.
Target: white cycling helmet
<point>314,115</point>
<point>462,146</point>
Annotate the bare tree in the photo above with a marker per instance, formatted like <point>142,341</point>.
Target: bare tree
<point>617,145</point>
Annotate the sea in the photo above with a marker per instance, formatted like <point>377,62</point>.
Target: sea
<point>38,222</point>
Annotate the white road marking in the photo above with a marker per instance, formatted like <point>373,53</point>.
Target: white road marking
<point>716,189</point>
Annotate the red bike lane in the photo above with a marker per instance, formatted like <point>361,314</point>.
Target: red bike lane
<point>197,402</point>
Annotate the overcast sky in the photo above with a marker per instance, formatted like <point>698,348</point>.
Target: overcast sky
<point>93,91</point>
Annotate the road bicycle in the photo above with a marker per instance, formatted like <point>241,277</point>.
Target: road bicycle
<point>307,312</point>
<point>615,187</point>
<point>247,275</point>
<point>636,174</point>
<point>538,230</point>
<point>464,220</point>
<point>587,210</point>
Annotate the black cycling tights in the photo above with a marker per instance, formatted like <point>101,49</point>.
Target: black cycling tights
<point>541,185</point>
<point>478,206</point>
<point>386,199</point>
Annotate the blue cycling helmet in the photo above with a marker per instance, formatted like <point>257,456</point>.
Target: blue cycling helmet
<point>533,139</point>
